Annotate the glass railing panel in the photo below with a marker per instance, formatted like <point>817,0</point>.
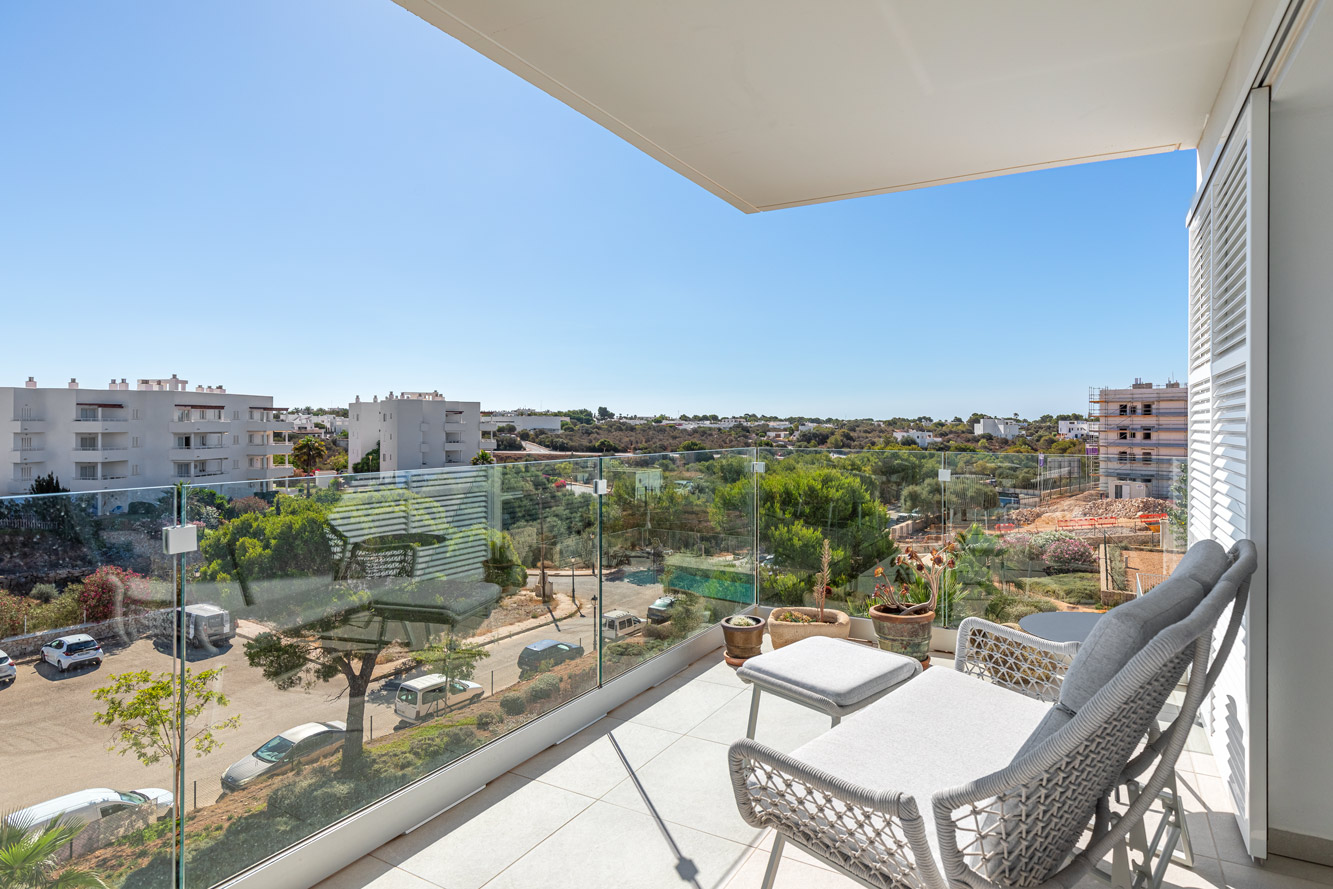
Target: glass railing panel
<point>545,630</point>
<point>1029,531</point>
<point>384,625</point>
<point>678,553</point>
<point>1060,534</point>
<point>868,505</point>
<point>87,665</point>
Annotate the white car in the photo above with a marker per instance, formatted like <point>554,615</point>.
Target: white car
<point>8,672</point>
<point>72,651</point>
<point>87,806</point>
<point>430,695</point>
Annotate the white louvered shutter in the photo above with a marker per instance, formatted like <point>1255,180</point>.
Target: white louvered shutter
<point>1228,334</point>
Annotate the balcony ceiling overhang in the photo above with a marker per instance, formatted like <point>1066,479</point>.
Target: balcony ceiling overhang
<point>779,103</point>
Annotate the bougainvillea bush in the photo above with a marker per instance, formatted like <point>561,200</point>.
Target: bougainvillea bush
<point>111,590</point>
<point>1070,553</point>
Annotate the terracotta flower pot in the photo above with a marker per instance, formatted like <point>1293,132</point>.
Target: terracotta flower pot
<point>743,642</point>
<point>835,624</point>
<point>907,634</point>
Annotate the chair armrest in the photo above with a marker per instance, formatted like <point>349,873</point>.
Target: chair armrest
<point>1013,659</point>
<point>879,836</point>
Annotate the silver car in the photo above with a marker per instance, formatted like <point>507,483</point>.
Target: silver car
<point>282,752</point>
<point>8,672</point>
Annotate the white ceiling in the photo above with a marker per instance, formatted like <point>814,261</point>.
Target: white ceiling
<point>777,103</point>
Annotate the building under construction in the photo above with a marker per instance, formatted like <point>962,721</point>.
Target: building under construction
<point>1141,437</point>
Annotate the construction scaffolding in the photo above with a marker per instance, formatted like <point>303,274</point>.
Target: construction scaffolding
<point>1141,433</point>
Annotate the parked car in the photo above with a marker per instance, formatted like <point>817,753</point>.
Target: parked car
<point>552,650</point>
<point>72,651</point>
<point>432,694</point>
<point>660,611</point>
<point>87,806</point>
<point>617,625</point>
<point>282,752</point>
<point>8,672</point>
<point>207,625</point>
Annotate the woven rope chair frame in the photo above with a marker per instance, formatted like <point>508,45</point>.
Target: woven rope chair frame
<point>1004,822</point>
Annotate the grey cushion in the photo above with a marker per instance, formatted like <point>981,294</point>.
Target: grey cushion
<point>950,728</point>
<point>842,672</point>
<point>1206,562</point>
<point>1123,631</point>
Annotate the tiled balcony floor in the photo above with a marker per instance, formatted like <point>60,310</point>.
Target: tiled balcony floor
<point>642,800</point>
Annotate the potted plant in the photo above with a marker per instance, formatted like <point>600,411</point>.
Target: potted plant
<point>744,637</point>
<point>789,624</point>
<point>904,613</point>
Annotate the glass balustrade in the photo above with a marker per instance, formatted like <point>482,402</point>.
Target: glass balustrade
<point>345,636</point>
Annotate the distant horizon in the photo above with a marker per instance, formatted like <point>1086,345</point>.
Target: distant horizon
<point>366,204</point>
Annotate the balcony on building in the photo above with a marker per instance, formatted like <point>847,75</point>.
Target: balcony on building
<point>203,419</point>
<point>610,769</point>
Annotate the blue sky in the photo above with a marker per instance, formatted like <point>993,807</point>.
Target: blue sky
<point>324,198</point>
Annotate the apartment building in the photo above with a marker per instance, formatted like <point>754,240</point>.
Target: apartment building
<point>922,437</point>
<point>155,434</point>
<point>416,430</point>
<point>531,422</point>
<point>1141,434</point>
<point>999,428</point>
<point>328,426</point>
<point>1075,429</point>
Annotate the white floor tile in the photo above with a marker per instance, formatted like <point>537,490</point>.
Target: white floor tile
<point>688,784</point>
<point>676,705</point>
<point>475,840</point>
<point>712,668</point>
<point>588,764</point>
<point>371,873</point>
<point>792,874</point>
<point>607,846</point>
<point>782,725</point>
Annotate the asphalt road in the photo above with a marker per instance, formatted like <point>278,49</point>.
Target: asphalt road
<point>50,744</point>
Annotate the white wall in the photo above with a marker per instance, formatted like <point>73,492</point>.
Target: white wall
<point>1300,577</point>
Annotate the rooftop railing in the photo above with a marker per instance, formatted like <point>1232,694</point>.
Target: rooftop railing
<point>344,639</point>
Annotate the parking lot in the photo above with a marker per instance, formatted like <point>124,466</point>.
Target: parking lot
<point>53,746</point>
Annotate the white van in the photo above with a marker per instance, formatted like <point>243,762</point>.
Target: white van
<point>83,807</point>
<point>617,625</point>
<point>433,694</point>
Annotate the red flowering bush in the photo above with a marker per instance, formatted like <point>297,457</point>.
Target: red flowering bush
<point>1072,554</point>
<point>13,610</point>
<point>109,589</point>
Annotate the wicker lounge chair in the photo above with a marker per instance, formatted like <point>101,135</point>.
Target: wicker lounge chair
<point>1002,773</point>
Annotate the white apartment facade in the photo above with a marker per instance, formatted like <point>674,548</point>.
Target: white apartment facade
<point>155,434</point>
<point>922,437</point>
<point>531,422</point>
<point>999,428</point>
<point>1075,429</point>
<point>415,430</point>
<point>309,424</point>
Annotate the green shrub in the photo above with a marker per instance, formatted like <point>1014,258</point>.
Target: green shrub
<point>543,687</point>
<point>43,593</point>
<point>1008,609</point>
<point>1074,588</point>
<point>513,703</point>
<point>624,649</point>
<point>488,720</point>
<point>652,631</point>
<point>64,611</point>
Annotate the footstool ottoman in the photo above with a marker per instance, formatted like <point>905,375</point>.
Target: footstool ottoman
<point>833,676</point>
